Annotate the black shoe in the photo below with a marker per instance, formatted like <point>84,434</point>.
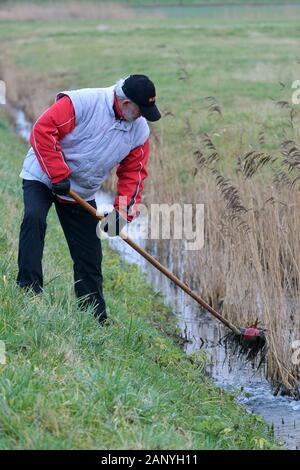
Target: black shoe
<point>101,317</point>
<point>32,289</point>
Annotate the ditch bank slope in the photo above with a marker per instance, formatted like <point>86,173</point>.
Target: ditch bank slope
<point>69,384</point>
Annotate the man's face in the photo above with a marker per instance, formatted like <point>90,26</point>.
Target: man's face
<point>130,110</point>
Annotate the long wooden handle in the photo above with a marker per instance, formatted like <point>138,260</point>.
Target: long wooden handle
<point>158,265</point>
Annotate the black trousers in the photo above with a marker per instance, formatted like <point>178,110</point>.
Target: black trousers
<point>80,231</point>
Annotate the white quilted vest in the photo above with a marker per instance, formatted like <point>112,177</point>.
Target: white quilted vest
<point>97,143</point>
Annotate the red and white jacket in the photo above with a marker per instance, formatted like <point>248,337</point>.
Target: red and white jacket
<point>58,121</point>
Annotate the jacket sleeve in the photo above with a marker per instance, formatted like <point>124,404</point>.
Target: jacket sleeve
<point>131,174</point>
<point>54,123</point>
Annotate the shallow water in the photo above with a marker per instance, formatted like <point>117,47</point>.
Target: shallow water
<point>23,126</point>
<point>202,331</point>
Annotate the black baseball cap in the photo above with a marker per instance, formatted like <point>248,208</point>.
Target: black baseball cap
<point>140,90</point>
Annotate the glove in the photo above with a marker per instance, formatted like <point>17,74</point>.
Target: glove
<point>113,224</point>
<point>62,187</point>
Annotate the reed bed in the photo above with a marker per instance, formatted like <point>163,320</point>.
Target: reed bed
<point>249,266</point>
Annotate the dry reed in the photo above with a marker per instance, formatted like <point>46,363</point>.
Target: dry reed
<point>250,264</point>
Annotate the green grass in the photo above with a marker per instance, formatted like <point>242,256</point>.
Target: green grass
<point>69,384</point>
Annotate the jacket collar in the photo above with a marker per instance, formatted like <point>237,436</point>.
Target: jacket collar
<point>117,110</point>
<point>118,123</point>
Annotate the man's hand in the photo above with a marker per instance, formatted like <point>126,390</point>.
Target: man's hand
<point>113,224</point>
<point>62,187</point>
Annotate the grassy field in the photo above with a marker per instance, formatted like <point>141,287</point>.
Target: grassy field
<point>190,58</point>
<point>69,384</point>
<point>247,60</point>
